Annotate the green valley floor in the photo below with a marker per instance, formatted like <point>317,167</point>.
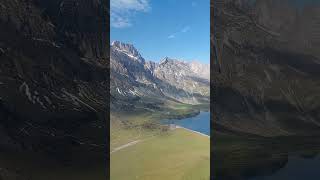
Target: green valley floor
<point>175,155</point>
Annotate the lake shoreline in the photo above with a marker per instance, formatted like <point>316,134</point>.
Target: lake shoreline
<point>194,111</point>
<point>183,116</point>
<point>180,127</point>
<point>199,124</point>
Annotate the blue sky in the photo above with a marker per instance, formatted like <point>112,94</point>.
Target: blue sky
<point>159,28</point>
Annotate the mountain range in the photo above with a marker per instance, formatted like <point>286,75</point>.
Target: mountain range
<point>134,80</point>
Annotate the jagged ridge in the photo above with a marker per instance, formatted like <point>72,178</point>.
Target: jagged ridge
<point>134,78</point>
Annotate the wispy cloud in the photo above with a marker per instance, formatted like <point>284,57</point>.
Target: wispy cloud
<point>123,10</point>
<point>183,30</point>
<point>119,21</point>
<point>193,4</point>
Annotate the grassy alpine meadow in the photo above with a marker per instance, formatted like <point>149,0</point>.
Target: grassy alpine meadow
<point>142,148</point>
<point>125,127</point>
<point>176,155</point>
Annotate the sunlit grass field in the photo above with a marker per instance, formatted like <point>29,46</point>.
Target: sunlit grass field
<point>156,153</point>
<point>176,155</point>
<point>127,127</point>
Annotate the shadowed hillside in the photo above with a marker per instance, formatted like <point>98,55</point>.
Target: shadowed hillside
<point>265,84</point>
<point>54,79</point>
<point>268,82</point>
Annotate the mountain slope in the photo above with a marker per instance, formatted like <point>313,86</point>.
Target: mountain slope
<point>53,83</point>
<point>266,79</point>
<point>137,81</point>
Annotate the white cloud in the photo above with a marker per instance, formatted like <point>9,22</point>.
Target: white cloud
<point>118,21</point>
<point>183,30</point>
<point>123,10</point>
<point>136,5</point>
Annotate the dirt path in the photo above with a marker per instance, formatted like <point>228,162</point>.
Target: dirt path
<point>125,145</point>
<point>139,140</point>
<point>130,144</point>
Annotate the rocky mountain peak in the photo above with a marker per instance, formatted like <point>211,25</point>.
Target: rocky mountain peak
<point>164,61</point>
<point>169,61</point>
<point>167,80</point>
<point>128,49</point>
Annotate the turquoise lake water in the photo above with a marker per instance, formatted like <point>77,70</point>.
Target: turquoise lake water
<point>199,123</point>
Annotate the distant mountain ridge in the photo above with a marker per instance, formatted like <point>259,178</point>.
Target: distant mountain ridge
<point>135,79</point>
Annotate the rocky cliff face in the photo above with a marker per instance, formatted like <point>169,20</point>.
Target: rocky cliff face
<point>53,74</point>
<point>185,77</point>
<point>266,80</point>
<point>202,70</point>
<point>134,78</point>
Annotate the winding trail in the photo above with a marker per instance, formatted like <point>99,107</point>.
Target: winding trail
<point>130,144</point>
<point>139,140</point>
<point>125,145</point>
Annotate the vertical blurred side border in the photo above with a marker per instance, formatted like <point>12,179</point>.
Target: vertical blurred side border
<point>214,69</point>
<point>106,34</point>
